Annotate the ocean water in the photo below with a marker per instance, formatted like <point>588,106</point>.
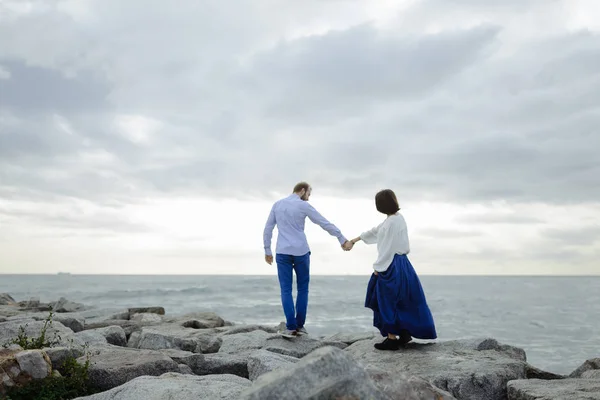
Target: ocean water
<point>555,319</point>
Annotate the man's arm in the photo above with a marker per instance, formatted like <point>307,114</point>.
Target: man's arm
<point>268,232</point>
<point>318,219</point>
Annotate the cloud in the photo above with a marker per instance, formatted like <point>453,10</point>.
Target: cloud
<point>464,102</point>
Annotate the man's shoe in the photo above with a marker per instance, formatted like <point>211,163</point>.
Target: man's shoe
<point>288,333</point>
<point>388,344</point>
<point>302,331</point>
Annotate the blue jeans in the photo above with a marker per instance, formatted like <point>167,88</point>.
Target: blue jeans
<point>301,265</point>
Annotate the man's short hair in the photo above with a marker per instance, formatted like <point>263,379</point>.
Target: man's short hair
<point>386,202</point>
<point>299,186</point>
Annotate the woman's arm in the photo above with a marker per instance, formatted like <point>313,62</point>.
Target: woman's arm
<point>369,237</point>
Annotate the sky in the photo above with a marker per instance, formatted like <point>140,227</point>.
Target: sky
<point>141,137</point>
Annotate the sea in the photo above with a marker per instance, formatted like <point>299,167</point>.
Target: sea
<point>556,320</point>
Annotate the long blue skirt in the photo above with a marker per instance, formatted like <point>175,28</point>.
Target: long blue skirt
<point>398,301</point>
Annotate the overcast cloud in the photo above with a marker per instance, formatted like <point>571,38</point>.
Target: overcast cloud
<point>108,104</point>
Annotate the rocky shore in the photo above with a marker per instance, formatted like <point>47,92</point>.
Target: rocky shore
<point>142,354</point>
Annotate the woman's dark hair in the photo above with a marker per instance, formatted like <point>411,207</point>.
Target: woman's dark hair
<point>386,202</point>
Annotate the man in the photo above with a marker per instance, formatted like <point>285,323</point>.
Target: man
<point>293,252</point>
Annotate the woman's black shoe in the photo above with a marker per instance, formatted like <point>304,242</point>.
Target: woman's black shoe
<point>405,337</point>
<point>388,344</point>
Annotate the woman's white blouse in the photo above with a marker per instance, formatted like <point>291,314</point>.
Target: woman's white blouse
<point>391,237</point>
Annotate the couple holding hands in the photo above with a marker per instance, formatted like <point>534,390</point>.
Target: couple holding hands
<point>394,292</point>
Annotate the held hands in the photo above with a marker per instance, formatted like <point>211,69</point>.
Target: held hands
<point>348,245</point>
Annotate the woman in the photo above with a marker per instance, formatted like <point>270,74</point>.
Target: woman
<point>394,293</point>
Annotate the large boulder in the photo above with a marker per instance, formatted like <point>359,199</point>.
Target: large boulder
<point>56,334</point>
<point>17,368</point>
<point>297,347</point>
<point>176,386</point>
<point>262,361</point>
<point>590,368</point>
<point>538,389</point>
<point>176,336</point>
<point>327,373</point>
<point>468,369</point>
<point>7,300</point>
<point>114,366</point>
<point>219,363</point>
<point>114,335</point>
<point>66,306</point>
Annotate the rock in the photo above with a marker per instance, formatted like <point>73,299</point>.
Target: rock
<point>146,318</point>
<point>261,361</point>
<point>249,328</point>
<point>58,355</point>
<point>399,386</point>
<point>92,338</point>
<point>532,372</point>
<point>185,369</point>
<point>591,374</point>
<point>177,386</point>
<point>349,338</point>
<point>240,342</point>
<point>199,320</point>
<point>7,300</point>
<point>128,326</point>
<point>327,373</point>
<point>588,365</point>
<point>74,322</point>
<point>33,302</point>
<point>468,369</point>
<point>56,333</point>
<point>111,367</point>
<point>299,346</point>
<point>63,305</point>
<point>17,368</point>
<point>146,310</point>
<point>175,336</point>
<point>35,363</point>
<point>214,364</point>
<point>114,335</point>
<point>537,389</point>
<point>193,360</point>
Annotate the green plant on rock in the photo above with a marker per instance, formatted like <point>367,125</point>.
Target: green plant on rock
<point>71,383</point>
<point>40,342</point>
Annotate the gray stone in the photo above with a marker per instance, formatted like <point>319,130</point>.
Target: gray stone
<point>74,322</point>
<point>35,363</point>
<point>262,361</point>
<point>63,305</point>
<point>399,386</point>
<point>591,374</point>
<point>240,342</point>
<point>349,338</point>
<point>175,336</point>
<point>114,366</point>
<point>249,328</point>
<point>299,346</point>
<point>146,318</point>
<point>214,364</point>
<point>7,300</point>
<point>199,320</point>
<point>571,389</point>
<point>185,369</point>
<point>195,361</point>
<point>468,369</point>
<point>588,365</point>
<point>58,355</point>
<point>327,373</point>
<point>56,333</point>
<point>177,386</point>
<point>144,310</point>
<point>92,338</point>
